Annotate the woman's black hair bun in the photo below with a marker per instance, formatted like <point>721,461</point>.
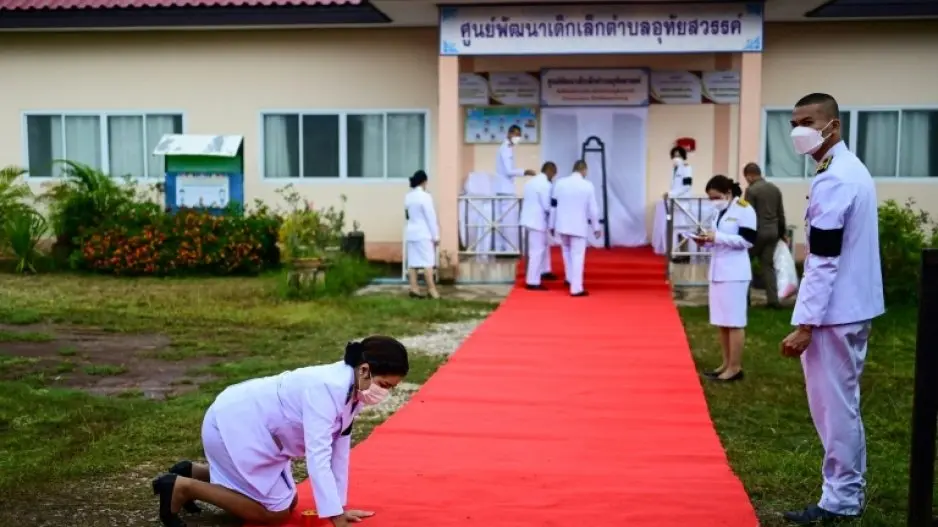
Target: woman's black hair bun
<point>354,353</point>
<point>737,190</point>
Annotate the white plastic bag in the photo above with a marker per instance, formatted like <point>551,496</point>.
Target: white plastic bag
<point>786,276</point>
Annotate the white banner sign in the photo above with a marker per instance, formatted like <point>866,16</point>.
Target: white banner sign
<point>600,28</point>
<point>675,87</point>
<point>514,89</point>
<point>721,87</point>
<point>473,90</point>
<point>594,87</point>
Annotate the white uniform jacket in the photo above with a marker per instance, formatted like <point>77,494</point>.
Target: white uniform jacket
<point>843,280</point>
<point>576,212</point>
<point>535,205</point>
<point>421,216</point>
<point>734,232</point>
<point>682,180</point>
<point>505,169</point>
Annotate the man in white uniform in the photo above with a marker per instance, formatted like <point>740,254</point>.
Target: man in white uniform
<point>576,214</point>
<point>840,294</point>
<point>505,174</point>
<point>682,181</point>
<point>535,213</point>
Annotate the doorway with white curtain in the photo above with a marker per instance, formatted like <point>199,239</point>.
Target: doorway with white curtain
<point>615,156</point>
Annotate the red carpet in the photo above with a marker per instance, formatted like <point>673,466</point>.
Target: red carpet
<point>558,411</point>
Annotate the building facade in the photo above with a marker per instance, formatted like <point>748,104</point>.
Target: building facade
<point>345,106</point>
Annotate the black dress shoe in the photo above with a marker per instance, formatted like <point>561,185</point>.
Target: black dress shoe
<point>712,374</point>
<point>163,487</point>
<point>815,515</point>
<point>581,293</point>
<point>416,295</point>
<point>548,276</point>
<point>738,377</point>
<point>538,287</point>
<point>184,469</point>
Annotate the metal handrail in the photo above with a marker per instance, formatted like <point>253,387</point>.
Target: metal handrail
<point>500,216</point>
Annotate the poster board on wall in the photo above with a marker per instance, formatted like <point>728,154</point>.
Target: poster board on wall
<point>499,88</point>
<point>488,125</point>
<point>694,87</point>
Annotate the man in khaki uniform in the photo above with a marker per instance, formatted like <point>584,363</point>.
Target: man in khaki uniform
<point>766,199</point>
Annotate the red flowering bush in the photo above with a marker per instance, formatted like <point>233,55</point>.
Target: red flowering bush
<point>151,242</point>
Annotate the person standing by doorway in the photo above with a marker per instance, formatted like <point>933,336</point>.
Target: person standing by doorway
<point>575,215</point>
<point>507,210</point>
<point>840,295</point>
<point>766,199</point>
<point>422,235</point>
<point>682,180</point>
<point>535,212</point>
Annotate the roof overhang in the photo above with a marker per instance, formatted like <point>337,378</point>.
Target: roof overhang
<point>877,9</point>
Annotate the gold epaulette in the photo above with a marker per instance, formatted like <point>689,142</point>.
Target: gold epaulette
<point>823,165</point>
<point>742,203</point>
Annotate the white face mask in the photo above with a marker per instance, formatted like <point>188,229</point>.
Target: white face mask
<point>373,395</point>
<point>516,139</point>
<point>721,204</point>
<point>677,161</point>
<point>807,140</point>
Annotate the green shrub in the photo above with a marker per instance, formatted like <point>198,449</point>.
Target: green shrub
<point>345,275</point>
<point>903,232</point>
<point>22,230</point>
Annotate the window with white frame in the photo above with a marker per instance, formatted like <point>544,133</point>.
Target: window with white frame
<point>893,143</point>
<point>356,145</point>
<point>120,144</point>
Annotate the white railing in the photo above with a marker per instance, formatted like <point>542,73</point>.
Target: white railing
<point>490,226</point>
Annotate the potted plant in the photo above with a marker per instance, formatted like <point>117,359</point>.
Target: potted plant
<point>447,272</point>
<point>353,243</point>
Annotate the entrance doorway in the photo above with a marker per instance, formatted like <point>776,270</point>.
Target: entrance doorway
<point>612,142</point>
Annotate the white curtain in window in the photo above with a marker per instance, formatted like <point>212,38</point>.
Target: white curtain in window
<point>406,154</point>
<point>125,145</point>
<point>156,127</point>
<point>781,160</point>
<point>878,132</point>
<point>56,146</point>
<point>277,160</point>
<point>370,145</point>
<point>914,154</point>
<point>83,140</point>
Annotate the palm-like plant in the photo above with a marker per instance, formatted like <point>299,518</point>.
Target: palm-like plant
<point>23,230</point>
<point>13,190</point>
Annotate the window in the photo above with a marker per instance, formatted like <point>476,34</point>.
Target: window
<point>357,145</point>
<point>891,142</point>
<point>118,144</point>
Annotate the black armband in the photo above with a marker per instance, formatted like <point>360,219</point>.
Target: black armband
<point>827,243</point>
<point>406,215</point>
<point>687,181</point>
<point>553,202</point>
<point>348,431</point>
<point>748,234</point>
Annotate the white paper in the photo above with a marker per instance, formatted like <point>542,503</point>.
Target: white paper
<point>202,191</point>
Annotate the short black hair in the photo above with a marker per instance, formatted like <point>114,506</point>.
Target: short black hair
<point>752,169</point>
<point>827,103</point>
<point>579,165</point>
<point>418,179</point>
<point>383,355</point>
<point>514,128</point>
<point>680,152</point>
<point>724,185</point>
<point>548,165</point>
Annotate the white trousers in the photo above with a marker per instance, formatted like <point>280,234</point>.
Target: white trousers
<point>833,365</point>
<point>538,256</point>
<point>574,260</point>
<point>508,215</point>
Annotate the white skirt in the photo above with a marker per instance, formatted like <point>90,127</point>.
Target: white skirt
<point>421,254</point>
<point>729,304</point>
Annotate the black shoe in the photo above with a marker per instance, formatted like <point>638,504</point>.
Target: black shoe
<point>184,469</point>
<point>538,287</point>
<point>163,487</point>
<point>738,377</point>
<point>712,374</point>
<point>815,515</point>
<point>548,276</point>
<point>416,295</point>
<point>581,293</point>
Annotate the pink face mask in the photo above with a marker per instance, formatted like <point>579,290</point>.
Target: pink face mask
<point>373,395</point>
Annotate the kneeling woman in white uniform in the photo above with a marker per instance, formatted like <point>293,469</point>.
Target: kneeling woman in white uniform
<point>731,234</point>
<point>253,430</point>
<point>422,235</point>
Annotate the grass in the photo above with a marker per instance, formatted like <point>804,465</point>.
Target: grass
<point>69,446</point>
<point>767,431</point>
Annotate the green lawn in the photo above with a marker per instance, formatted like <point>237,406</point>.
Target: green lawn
<point>766,428</point>
<point>70,458</point>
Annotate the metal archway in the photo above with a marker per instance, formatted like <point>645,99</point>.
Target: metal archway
<point>599,148</point>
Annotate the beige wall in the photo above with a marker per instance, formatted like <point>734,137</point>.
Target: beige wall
<point>860,64</point>
<point>222,80</point>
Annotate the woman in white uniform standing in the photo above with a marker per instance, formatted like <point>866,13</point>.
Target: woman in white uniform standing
<point>731,234</point>
<point>422,235</point>
<point>253,429</point>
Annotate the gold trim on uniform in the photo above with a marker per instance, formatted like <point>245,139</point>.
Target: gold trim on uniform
<point>823,165</point>
<point>742,203</point>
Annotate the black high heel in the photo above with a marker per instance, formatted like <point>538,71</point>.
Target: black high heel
<point>163,487</point>
<point>184,469</point>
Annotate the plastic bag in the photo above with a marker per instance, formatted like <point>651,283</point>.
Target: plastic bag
<point>786,276</point>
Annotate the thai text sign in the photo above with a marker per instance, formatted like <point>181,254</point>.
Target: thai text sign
<point>600,28</point>
<point>594,87</point>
